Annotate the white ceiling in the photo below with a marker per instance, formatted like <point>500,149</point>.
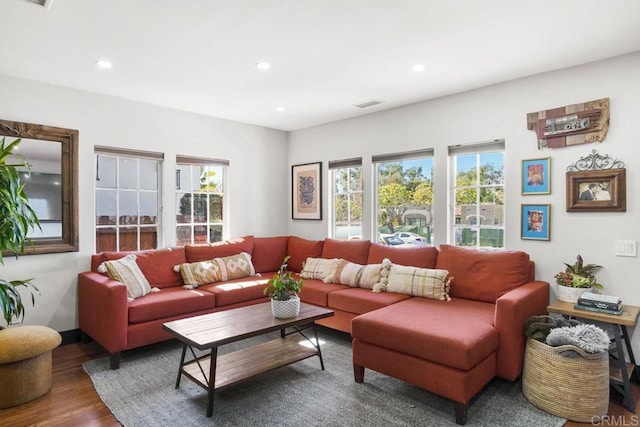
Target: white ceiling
<point>325,55</point>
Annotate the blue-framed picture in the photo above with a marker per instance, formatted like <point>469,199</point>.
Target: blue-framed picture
<point>535,220</point>
<point>536,176</point>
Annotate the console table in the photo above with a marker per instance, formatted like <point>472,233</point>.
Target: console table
<point>621,371</point>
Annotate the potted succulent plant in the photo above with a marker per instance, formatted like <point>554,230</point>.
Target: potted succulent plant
<point>284,291</point>
<point>17,218</point>
<point>576,279</point>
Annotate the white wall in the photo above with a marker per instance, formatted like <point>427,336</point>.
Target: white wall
<point>500,112</point>
<point>258,204</point>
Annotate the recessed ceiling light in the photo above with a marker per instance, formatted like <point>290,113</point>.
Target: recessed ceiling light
<point>263,65</point>
<point>103,64</point>
<point>281,109</point>
<point>418,68</point>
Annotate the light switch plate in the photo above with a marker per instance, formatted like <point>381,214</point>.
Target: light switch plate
<point>626,248</point>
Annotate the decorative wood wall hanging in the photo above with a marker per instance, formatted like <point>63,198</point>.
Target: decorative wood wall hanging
<point>596,183</point>
<point>571,125</point>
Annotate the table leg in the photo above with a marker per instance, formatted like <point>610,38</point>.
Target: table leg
<point>184,352</point>
<point>620,361</point>
<point>317,344</point>
<point>635,375</point>
<point>212,380</point>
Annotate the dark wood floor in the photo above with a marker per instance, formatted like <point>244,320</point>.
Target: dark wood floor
<point>73,401</point>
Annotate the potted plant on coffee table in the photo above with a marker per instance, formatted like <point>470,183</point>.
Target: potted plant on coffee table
<point>17,218</point>
<point>576,279</point>
<point>284,291</point>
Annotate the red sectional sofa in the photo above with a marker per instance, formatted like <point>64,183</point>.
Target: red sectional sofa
<point>452,348</point>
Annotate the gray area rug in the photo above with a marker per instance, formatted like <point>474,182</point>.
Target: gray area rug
<point>142,393</point>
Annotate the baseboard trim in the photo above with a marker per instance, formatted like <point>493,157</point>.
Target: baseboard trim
<point>70,337</point>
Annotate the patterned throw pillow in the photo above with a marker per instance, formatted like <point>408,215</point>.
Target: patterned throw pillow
<point>375,275</point>
<point>419,282</point>
<point>217,270</point>
<point>347,273</point>
<point>126,270</point>
<point>319,268</point>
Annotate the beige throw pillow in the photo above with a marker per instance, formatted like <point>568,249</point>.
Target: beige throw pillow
<point>217,270</point>
<point>419,282</point>
<point>375,275</point>
<point>347,273</point>
<point>126,270</point>
<point>319,268</point>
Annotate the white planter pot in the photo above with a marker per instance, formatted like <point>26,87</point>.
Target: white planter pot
<point>285,309</point>
<point>569,294</point>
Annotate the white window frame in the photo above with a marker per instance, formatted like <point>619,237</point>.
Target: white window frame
<point>334,167</point>
<point>197,162</point>
<point>398,157</point>
<point>118,154</point>
<point>477,149</point>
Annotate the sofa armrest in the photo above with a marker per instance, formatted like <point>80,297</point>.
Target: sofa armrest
<point>512,311</point>
<point>103,310</point>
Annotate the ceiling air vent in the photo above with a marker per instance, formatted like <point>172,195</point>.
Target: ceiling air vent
<point>43,3</point>
<point>369,103</point>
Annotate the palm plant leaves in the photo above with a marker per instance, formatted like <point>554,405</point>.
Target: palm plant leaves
<point>17,218</point>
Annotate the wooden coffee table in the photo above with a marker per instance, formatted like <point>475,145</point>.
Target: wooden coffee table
<point>210,331</point>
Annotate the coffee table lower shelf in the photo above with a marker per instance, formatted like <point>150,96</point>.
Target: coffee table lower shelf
<point>248,362</point>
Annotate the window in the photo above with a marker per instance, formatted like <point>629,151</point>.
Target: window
<point>200,187</point>
<point>346,218</point>
<point>404,196</point>
<point>478,195</point>
<point>127,199</point>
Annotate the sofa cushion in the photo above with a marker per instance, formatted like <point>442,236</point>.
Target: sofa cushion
<point>347,273</point>
<point>217,270</point>
<point>156,264</point>
<point>352,250</point>
<point>125,270</point>
<point>319,268</point>
<point>359,300</point>
<point>416,256</point>
<point>268,253</point>
<point>237,290</point>
<point>316,291</point>
<point>483,275</point>
<point>418,282</point>
<point>458,333</point>
<point>196,253</point>
<point>300,249</point>
<point>169,302</point>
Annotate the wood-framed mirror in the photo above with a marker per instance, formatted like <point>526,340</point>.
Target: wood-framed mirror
<point>52,187</point>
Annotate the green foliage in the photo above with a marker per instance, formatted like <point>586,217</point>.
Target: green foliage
<point>466,192</point>
<point>17,218</point>
<point>283,286</point>
<point>579,275</point>
<point>11,300</point>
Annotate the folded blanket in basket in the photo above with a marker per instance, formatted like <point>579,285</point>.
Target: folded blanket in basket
<point>588,337</point>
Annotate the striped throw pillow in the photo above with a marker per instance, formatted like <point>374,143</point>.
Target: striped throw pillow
<point>126,270</point>
<point>419,282</point>
<point>319,268</point>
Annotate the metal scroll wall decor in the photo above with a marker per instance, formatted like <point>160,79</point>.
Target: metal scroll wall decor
<point>571,125</point>
<point>596,183</point>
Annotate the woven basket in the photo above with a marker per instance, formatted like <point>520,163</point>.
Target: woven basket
<point>575,388</point>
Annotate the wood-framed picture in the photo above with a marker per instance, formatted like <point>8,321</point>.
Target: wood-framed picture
<point>306,195</point>
<point>536,176</point>
<point>535,222</point>
<point>597,191</point>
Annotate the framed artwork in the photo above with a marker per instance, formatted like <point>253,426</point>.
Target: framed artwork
<point>597,191</point>
<point>536,176</point>
<point>306,195</point>
<point>535,222</point>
